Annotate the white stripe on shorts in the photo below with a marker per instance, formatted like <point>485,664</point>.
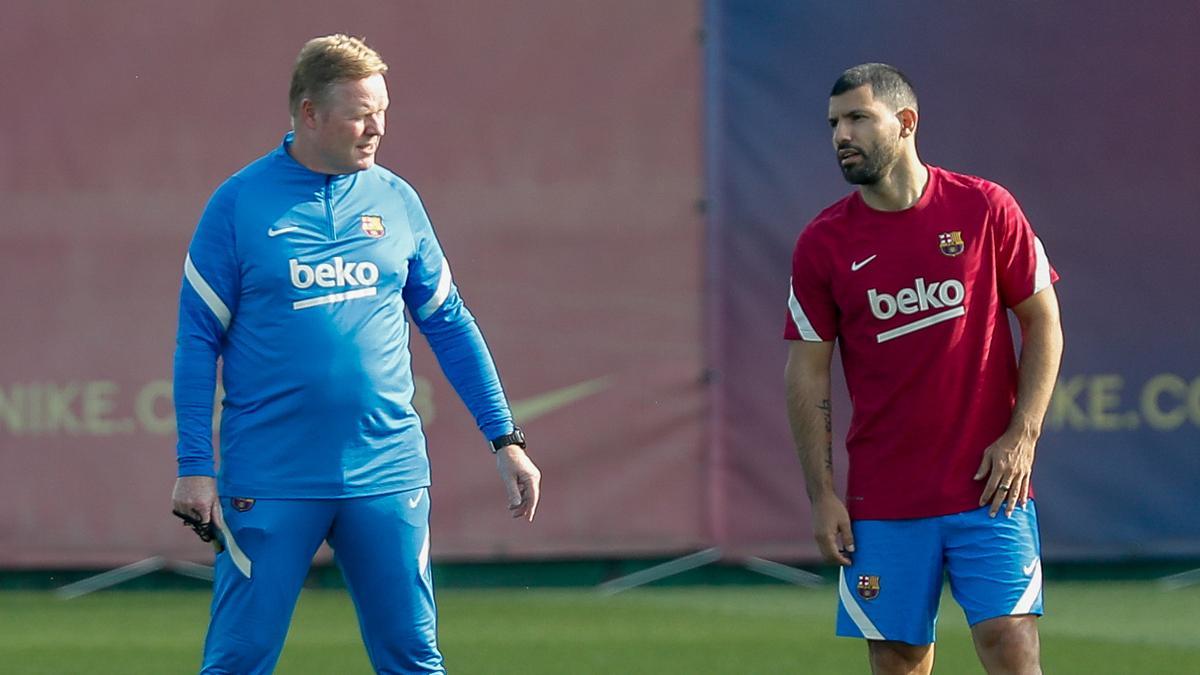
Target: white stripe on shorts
<point>236,555</point>
<point>1032,591</point>
<point>423,556</point>
<point>856,613</point>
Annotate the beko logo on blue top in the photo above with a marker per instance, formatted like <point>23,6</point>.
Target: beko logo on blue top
<point>333,274</point>
<point>358,278</point>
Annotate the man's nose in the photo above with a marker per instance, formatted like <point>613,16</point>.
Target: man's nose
<point>375,125</point>
<point>841,134</point>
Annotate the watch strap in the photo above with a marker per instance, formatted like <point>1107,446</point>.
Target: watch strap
<point>516,437</point>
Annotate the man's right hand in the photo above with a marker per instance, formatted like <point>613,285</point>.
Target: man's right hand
<point>831,529</point>
<point>195,496</point>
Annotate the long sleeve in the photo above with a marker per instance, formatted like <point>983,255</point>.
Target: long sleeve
<point>439,312</point>
<point>207,306</point>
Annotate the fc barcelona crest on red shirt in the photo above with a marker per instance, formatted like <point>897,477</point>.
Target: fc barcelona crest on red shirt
<point>868,586</point>
<point>951,243</point>
<point>372,226</point>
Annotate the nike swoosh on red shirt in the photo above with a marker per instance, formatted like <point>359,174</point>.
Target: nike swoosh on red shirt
<point>856,266</point>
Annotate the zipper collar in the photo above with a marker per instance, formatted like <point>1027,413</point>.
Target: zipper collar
<point>284,157</point>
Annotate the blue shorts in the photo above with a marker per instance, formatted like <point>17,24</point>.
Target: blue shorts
<point>381,544</point>
<point>892,589</point>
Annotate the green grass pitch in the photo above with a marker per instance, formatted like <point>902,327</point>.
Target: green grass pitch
<point>1095,627</point>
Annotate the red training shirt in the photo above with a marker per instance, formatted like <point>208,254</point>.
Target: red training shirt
<point>917,300</point>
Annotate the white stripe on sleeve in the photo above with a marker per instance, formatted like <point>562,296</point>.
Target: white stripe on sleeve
<point>1041,270</point>
<point>206,293</point>
<point>807,332</point>
<point>856,613</point>
<point>440,295</point>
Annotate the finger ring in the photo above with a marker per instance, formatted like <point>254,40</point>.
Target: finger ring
<point>1002,487</point>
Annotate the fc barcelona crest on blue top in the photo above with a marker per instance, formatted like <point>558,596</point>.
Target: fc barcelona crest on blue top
<point>868,586</point>
<point>951,243</point>
<point>372,226</point>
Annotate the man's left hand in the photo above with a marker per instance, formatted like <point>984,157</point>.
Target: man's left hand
<point>1007,464</point>
<point>522,481</point>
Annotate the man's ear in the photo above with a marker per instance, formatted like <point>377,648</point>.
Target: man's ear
<point>908,122</point>
<point>308,113</point>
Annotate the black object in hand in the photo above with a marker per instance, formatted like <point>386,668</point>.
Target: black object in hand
<point>207,532</point>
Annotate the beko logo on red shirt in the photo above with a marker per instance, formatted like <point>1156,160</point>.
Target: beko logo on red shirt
<point>919,298</point>
<point>947,296</point>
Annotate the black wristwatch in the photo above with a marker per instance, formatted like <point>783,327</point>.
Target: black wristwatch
<point>517,437</point>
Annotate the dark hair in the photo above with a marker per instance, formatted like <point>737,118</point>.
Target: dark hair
<point>887,83</point>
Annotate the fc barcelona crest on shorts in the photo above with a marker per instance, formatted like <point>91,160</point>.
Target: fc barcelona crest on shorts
<point>868,586</point>
<point>951,243</point>
<point>372,226</point>
<point>242,504</point>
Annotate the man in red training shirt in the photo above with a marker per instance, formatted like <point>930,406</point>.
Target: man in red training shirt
<point>913,275</point>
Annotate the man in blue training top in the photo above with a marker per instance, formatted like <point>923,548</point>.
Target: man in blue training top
<point>298,277</point>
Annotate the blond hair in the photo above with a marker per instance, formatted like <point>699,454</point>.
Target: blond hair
<point>329,59</point>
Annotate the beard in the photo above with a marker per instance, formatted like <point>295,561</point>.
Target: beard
<point>872,166</point>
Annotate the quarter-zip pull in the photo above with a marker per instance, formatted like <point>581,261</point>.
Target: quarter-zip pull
<point>329,206</point>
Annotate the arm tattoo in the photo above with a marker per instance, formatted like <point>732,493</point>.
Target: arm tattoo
<point>827,409</point>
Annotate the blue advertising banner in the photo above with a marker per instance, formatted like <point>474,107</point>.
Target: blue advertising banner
<point>1082,110</point>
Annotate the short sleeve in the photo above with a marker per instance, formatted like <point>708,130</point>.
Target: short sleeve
<point>1022,267</point>
<point>812,312</point>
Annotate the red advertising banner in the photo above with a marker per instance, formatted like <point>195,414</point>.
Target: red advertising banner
<point>557,148</point>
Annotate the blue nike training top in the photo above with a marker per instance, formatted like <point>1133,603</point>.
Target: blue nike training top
<point>298,281</point>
